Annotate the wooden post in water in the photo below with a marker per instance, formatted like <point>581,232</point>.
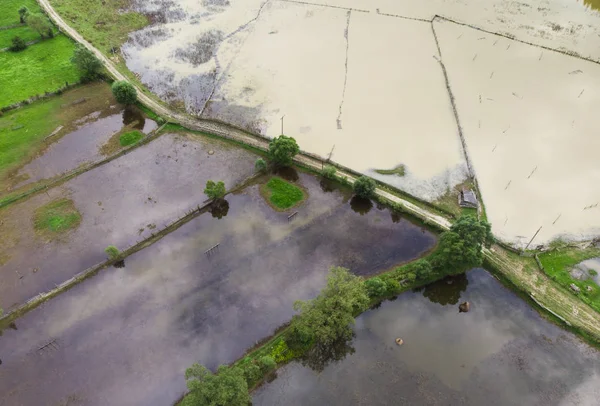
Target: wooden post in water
<point>530,241</point>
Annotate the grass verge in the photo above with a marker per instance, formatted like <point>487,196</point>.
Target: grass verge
<point>281,194</point>
<point>43,67</point>
<point>56,218</point>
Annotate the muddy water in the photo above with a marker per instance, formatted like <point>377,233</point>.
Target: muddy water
<point>126,336</point>
<point>83,144</point>
<point>500,353</point>
<point>120,203</point>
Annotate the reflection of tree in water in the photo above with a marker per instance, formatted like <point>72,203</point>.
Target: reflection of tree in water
<point>446,291</point>
<point>131,115</point>
<point>288,173</point>
<point>396,217</point>
<point>219,208</point>
<point>320,356</point>
<point>361,205</point>
<point>327,185</point>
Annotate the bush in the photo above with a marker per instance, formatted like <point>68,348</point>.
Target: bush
<point>376,287</point>
<point>227,387</point>
<point>281,353</point>
<point>23,13</point>
<point>411,277</point>
<point>252,373</point>
<point>260,165</point>
<point>329,172</point>
<point>124,92</point>
<point>18,44</point>
<point>282,150</point>
<point>40,24</point>
<point>214,190</point>
<point>392,286</point>
<point>112,252</point>
<point>267,364</point>
<point>87,62</point>
<point>421,268</point>
<point>364,187</point>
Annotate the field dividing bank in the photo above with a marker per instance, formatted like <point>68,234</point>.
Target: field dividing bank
<point>316,163</point>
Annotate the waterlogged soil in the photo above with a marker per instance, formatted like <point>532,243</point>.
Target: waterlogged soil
<point>121,202</point>
<point>127,335</point>
<point>500,353</point>
<point>83,144</point>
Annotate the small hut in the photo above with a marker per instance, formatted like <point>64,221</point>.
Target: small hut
<point>467,198</point>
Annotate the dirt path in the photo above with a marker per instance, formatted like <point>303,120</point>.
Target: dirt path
<point>536,284</point>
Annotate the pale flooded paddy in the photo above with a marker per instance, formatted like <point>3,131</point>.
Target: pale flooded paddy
<point>120,203</point>
<point>127,335</point>
<point>499,353</point>
<point>529,118</point>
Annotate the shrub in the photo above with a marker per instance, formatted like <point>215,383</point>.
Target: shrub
<point>421,268</point>
<point>282,150</point>
<point>411,277</point>
<point>252,373</point>
<point>112,252</point>
<point>260,165</point>
<point>214,190</point>
<point>376,287</point>
<point>281,352</point>
<point>40,24</point>
<point>23,13</point>
<point>329,172</point>
<point>87,62</point>
<point>227,387</point>
<point>364,187</point>
<point>392,286</point>
<point>18,44</point>
<point>593,272</point>
<point>124,92</point>
<point>267,363</point>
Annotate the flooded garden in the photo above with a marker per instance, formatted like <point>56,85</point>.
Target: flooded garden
<point>501,353</point>
<point>173,304</point>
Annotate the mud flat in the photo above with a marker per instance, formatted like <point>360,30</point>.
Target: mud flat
<point>120,203</point>
<point>127,335</point>
<point>529,118</point>
<point>501,352</point>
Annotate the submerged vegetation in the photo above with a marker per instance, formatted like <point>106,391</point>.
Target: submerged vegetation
<point>399,170</point>
<point>56,217</point>
<point>130,138</point>
<point>281,194</point>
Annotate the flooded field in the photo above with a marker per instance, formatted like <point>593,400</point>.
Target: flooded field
<point>500,353</point>
<point>528,116</point>
<point>141,326</point>
<point>120,203</point>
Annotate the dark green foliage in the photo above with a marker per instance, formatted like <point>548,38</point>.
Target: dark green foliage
<point>214,190</point>
<point>252,374</point>
<point>329,316</point>
<point>376,287</point>
<point>364,187</point>
<point>460,248</point>
<point>227,387</point>
<point>282,150</point>
<point>40,24</point>
<point>421,268</point>
<point>260,165</point>
<point>112,252</point>
<point>329,172</point>
<point>23,13</point>
<point>130,138</point>
<point>18,44</point>
<point>89,65</point>
<point>267,364</point>
<point>124,92</point>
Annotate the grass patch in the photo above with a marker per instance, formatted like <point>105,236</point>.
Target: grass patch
<point>24,32</point>
<point>43,67</point>
<point>130,138</point>
<point>282,195</point>
<point>10,10</point>
<point>399,170</point>
<point>56,217</point>
<point>105,24</point>
<point>558,264</point>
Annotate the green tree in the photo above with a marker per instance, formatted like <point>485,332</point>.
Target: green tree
<point>227,387</point>
<point>18,44</point>
<point>260,165</point>
<point>87,62</point>
<point>23,13</point>
<point>214,190</point>
<point>124,92</point>
<point>40,24</point>
<point>376,287</point>
<point>112,252</point>
<point>329,172</point>
<point>364,187</point>
<point>421,268</point>
<point>282,150</point>
<point>267,363</point>
<point>460,248</point>
<point>330,316</point>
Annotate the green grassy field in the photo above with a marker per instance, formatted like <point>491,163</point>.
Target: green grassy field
<point>100,22</point>
<point>557,265</point>
<point>56,217</point>
<point>281,194</point>
<point>24,32</point>
<point>43,67</point>
<point>130,138</point>
<point>10,10</point>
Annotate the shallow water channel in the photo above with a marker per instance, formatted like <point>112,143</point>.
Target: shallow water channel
<point>126,336</point>
<point>500,353</point>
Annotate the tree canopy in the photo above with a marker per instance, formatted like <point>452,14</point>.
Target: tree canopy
<point>23,13</point>
<point>124,92</point>
<point>282,150</point>
<point>214,190</point>
<point>40,24</point>
<point>227,387</point>
<point>364,187</point>
<point>329,317</point>
<point>89,65</point>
